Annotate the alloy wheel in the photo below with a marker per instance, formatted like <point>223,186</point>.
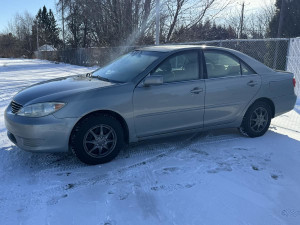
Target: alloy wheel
<point>99,141</point>
<point>259,119</point>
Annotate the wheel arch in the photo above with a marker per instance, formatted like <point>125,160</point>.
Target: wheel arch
<point>266,100</point>
<point>105,112</point>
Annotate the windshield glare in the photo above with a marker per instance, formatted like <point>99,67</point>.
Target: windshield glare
<point>128,66</point>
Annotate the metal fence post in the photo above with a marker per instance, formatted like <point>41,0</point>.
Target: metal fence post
<point>80,57</point>
<point>288,54</point>
<point>276,55</point>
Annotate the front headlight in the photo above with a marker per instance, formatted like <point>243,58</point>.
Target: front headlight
<point>40,109</point>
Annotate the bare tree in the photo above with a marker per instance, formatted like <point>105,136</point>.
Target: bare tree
<point>106,22</point>
<point>128,22</point>
<point>188,13</point>
<point>174,10</point>
<point>21,28</point>
<point>255,24</point>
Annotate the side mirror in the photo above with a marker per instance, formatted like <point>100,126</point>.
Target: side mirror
<point>153,80</point>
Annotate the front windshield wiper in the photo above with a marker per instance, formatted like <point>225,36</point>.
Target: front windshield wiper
<point>106,79</point>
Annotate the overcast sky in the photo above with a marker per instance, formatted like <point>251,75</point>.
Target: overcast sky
<point>9,8</point>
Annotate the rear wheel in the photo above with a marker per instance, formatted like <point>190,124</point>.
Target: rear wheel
<point>257,120</point>
<point>97,139</point>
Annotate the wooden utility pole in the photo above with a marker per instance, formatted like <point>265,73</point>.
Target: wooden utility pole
<point>242,20</point>
<point>37,35</point>
<point>279,31</point>
<point>281,17</point>
<point>63,22</point>
<point>157,22</point>
<point>37,39</point>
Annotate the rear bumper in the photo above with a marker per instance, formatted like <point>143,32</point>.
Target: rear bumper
<point>284,104</point>
<point>43,134</point>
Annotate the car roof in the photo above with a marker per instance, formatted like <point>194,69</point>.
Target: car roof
<point>170,48</point>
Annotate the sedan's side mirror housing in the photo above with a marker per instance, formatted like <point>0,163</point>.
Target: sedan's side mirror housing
<point>153,80</point>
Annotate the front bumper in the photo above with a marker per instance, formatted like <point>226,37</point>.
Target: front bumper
<point>43,134</point>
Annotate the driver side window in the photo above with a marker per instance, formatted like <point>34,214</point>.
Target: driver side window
<point>179,67</point>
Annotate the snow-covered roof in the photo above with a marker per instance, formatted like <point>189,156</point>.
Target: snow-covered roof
<point>47,48</point>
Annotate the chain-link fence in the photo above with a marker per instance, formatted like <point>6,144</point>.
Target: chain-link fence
<point>272,52</point>
<point>293,61</point>
<point>84,56</point>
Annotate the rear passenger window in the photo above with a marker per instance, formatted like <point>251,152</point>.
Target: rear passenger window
<point>219,64</point>
<point>246,70</point>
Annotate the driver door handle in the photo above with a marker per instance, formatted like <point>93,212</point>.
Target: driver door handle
<point>196,90</point>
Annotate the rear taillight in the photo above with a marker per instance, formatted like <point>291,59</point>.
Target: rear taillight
<point>294,82</point>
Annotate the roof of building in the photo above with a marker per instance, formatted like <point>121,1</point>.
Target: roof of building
<point>47,48</point>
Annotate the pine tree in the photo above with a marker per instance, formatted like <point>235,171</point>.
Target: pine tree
<point>53,30</point>
<point>46,26</point>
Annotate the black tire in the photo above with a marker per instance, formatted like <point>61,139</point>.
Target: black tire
<point>97,139</point>
<point>257,120</point>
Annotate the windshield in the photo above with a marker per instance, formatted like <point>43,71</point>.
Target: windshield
<point>127,67</point>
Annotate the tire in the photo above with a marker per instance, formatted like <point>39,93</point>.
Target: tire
<point>97,139</point>
<point>257,120</point>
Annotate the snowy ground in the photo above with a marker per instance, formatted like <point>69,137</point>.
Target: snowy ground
<point>214,177</point>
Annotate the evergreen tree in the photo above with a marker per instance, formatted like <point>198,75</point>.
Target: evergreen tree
<point>46,26</point>
<point>203,32</point>
<point>10,46</point>
<point>291,21</point>
<point>53,30</point>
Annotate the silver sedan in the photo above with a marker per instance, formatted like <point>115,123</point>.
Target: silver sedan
<point>148,93</point>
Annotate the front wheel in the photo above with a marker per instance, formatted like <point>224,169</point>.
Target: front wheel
<point>97,139</point>
<point>257,120</point>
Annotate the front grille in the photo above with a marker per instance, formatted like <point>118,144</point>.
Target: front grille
<point>15,107</point>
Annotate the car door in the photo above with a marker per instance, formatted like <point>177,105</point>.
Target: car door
<point>178,103</point>
<point>230,86</point>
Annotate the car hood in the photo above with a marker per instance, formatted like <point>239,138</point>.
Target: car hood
<point>56,89</point>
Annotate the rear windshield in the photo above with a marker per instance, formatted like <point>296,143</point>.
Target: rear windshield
<point>127,67</point>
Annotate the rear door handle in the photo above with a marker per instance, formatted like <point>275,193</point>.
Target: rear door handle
<point>252,83</point>
<point>196,90</point>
